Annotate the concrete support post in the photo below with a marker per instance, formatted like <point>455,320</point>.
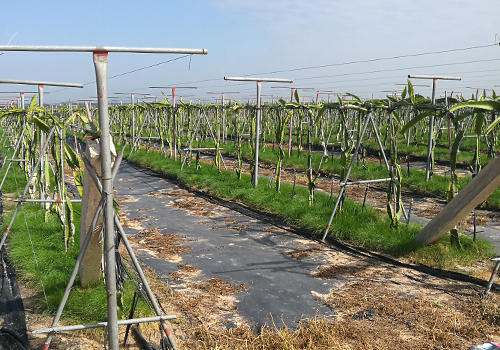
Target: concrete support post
<point>90,267</point>
<point>476,191</point>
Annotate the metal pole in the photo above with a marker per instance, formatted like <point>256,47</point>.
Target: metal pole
<point>102,324</point>
<point>493,274</point>
<point>431,119</point>
<point>290,128</point>
<point>133,121</point>
<point>101,67</point>
<point>44,147</point>
<point>257,131</point>
<point>173,124</point>
<point>127,245</point>
<point>34,82</point>
<point>428,166</point>
<point>223,112</point>
<point>72,277</point>
<point>13,154</point>
<point>342,188</point>
<point>41,194</point>
<point>409,213</point>
<point>66,48</point>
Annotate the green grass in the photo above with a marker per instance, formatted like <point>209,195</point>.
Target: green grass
<point>54,264</point>
<point>366,228</point>
<point>436,187</point>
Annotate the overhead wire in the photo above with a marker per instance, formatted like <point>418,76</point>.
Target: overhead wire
<point>322,66</point>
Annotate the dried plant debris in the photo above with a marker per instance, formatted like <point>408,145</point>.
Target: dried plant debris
<point>332,271</point>
<point>135,222</point>
<point>217,286</point>
<point>236,228</point>
<point>143,209</point>
<point>125,198</point>
<point>205,222</point>
<point>185,267</point>
<point>300,253</point>
<point>369,315</point>
<point>164,245</point>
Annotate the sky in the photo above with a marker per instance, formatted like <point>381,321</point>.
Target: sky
<point>362,47</point>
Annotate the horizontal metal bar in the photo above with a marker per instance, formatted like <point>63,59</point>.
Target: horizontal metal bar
<point>33,82</point>
<point>63,48</point>
<point>342,184</point>
<point>200,149</point>
<point>16,160</point>
<point>410,76</point>
<point>102,324</point>
<point>46,200</point>
<point>270,80</point>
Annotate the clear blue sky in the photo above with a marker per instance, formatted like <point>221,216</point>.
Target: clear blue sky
<point>248,37</point>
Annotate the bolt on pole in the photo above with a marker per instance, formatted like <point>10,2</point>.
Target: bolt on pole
<point>258,115</point>
<point>428,166</point>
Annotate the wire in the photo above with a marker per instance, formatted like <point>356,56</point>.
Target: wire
<point>377,59</point>
<point>353,62</point>
<point>400,69</point>
<point>130,72</point>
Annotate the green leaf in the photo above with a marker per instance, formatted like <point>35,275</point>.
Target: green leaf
<point>410,91</point>
<point>32,103</point>
<point>292,105</point>
<point>479,123</point>
<point>282,101</point>
<point>454,149</point>
<point>395,115</point>
<point>415,120</point>
<point>488,105</point>
<point>297,96</point>
<point>403,93</point>
<point>355,97</point>
<point>462,116</point>
<point>41,124</point>
<point>71,157</point>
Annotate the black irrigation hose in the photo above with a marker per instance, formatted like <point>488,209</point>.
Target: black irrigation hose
<point>335,242</point>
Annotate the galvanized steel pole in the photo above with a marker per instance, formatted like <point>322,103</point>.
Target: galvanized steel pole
<point>258,114</point>
<point>101,70</point>
<point>174,127</point>
<point>133,122</point>
<point>65,48</point>
<point>34,82</point>
<point>428,166</point>
<point>257,131</point>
